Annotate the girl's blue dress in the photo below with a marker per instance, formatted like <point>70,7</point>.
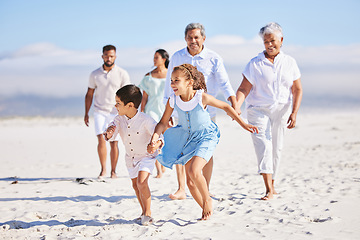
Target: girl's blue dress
<point>195,135</point>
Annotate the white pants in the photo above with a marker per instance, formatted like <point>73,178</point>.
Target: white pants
<point>268,142</point>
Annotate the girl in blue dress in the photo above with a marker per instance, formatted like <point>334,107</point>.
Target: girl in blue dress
<point>193,141</point>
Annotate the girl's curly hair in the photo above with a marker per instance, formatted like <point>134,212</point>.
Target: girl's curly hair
<point>191,72</point>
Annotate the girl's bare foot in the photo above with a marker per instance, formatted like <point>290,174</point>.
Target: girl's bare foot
<point>207,209</point>
<point>179,195</point>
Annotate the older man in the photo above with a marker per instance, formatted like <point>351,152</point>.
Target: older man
<point>103,84</point>
<point>211,65</point>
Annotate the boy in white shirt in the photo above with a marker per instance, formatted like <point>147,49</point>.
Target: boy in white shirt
<point>135,129</point>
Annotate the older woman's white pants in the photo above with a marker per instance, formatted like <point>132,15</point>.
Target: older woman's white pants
<point>268,143</point>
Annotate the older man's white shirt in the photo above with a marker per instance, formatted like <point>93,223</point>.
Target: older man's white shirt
<point>210,64</point>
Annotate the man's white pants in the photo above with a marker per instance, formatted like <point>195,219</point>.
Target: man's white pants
<point>268,142</point>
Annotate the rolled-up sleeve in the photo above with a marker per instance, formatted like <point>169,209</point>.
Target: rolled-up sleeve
<point>222,79</point>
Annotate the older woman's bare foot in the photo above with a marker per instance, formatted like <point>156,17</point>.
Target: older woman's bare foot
<point>267,197</point>
<point>179,195</point>
<point>207,210</point>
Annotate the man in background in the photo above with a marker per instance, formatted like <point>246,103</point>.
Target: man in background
<point>103,84</point>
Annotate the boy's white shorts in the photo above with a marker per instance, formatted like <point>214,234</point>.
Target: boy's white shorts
<point>146,165</point>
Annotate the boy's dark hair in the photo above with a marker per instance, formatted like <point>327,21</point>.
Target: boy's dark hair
<point>108,48</point>
<point>130,93</point>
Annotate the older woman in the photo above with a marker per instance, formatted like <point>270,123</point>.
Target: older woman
<point>272,88</point>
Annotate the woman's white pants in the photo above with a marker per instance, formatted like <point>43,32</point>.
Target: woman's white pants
<point>268,143</point>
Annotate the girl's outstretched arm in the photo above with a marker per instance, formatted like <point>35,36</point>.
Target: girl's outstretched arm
<point>212,101</point>
<point>160,127</point>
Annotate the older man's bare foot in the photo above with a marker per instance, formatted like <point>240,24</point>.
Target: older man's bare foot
<point>207,210</point>
<point>179,195</point>
<point>113,175</point>
<point>267,197</point>
<point>159,175</point>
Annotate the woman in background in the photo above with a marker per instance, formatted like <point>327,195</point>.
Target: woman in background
<point>153,85</point>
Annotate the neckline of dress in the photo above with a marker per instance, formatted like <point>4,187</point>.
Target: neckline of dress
<point>155,77</point>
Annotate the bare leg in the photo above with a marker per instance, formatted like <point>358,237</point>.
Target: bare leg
<point>207,171</point>
<point>144,192</point>
<point>102,152</point>
<point>193,169</point>
<point>135,187</point>
<point>268,185</point>
<point>180,193</point>
<point>273,186</point>
<point>160,169</point>
<point>114,156</point>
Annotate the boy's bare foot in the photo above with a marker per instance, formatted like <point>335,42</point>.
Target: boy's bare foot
<point>146,220</point>
<point>267,197</point>
<point>207,210</point>
<point>113,175</point>
<point>139,218</point>
<point>179,195</point>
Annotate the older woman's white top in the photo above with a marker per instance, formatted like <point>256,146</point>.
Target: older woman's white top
<point>271,82</point>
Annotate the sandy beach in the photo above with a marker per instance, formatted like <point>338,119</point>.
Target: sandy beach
<point>49,189</point>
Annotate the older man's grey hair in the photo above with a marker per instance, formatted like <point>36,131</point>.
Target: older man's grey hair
<point>192,26</point>
<point>271,28</point>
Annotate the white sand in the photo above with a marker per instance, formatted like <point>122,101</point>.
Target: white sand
<point>319,186</point>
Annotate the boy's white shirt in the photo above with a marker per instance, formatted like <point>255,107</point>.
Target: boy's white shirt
<point>136,134</point>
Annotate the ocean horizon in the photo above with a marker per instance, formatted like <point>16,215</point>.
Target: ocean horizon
<point>35,105</point>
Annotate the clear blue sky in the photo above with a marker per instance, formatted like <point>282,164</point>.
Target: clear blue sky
<point>89,24</point>
<point>49,47</point>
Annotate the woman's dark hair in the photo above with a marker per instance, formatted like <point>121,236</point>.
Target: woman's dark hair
<point>165,55</point>
<point>191,72</point>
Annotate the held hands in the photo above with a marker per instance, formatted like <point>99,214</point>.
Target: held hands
<point>154,144</point>
<point>109,132</point>
<point>251,128</point>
